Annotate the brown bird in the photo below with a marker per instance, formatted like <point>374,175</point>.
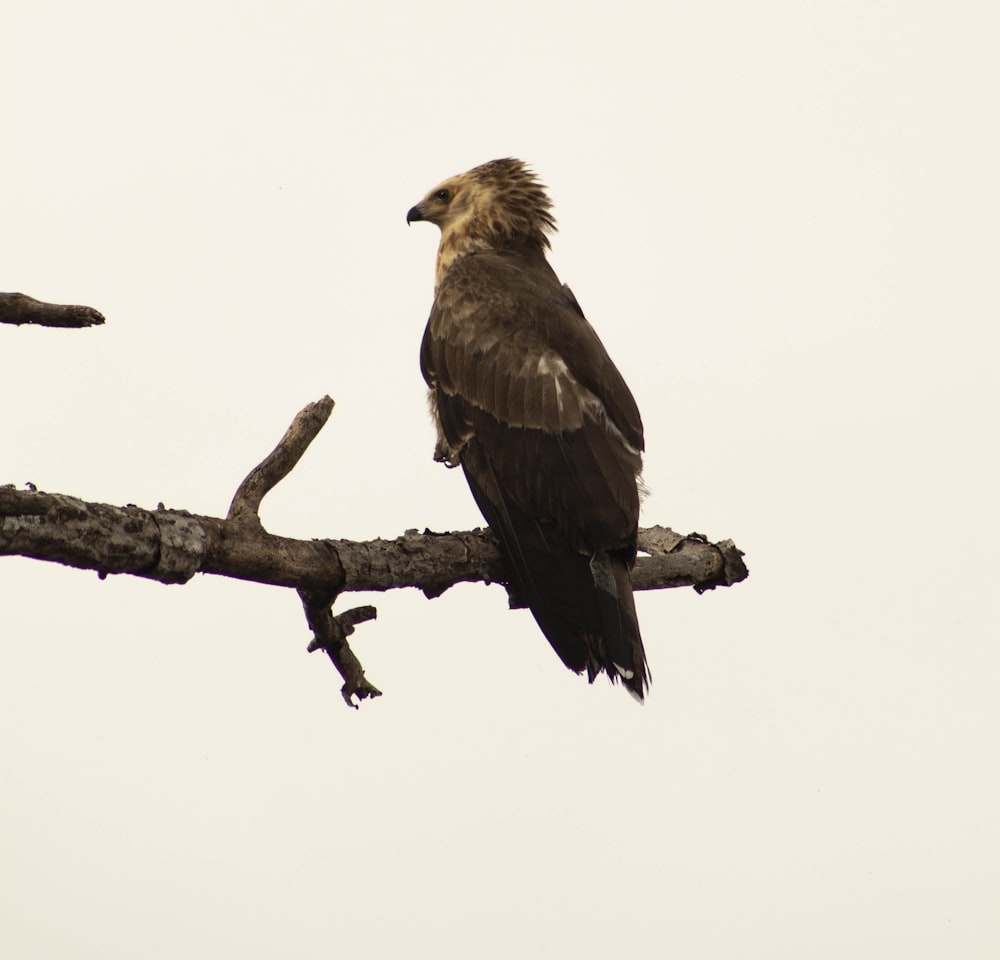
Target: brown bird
<point>528,402</point>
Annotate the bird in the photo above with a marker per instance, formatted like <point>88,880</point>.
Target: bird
<point>526,400</point>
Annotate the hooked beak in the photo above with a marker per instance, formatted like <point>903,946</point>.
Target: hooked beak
<point>414,213</point>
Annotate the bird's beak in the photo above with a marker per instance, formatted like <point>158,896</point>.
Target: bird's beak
<point>415,213</point>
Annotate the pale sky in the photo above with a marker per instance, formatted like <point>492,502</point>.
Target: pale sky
<point>780,217</point>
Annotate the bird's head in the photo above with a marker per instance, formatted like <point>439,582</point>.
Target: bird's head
<point>493,205</point>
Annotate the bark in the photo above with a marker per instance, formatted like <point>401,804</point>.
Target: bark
<point>173,545</point>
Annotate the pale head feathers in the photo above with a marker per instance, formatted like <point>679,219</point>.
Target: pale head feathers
<point>498,204</point>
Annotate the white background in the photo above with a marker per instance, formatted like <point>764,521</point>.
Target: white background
<point>782,219</point>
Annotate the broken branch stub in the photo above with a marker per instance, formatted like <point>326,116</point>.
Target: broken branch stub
<point>279,462</point>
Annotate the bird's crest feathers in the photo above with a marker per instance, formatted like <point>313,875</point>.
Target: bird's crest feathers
<point>497,205</point>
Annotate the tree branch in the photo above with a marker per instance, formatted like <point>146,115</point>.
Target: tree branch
<point>279,462</point>
<point>19,308</point>
<point>330,635</point>
<point>173,545</point>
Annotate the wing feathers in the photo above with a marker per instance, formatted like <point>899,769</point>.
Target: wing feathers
<point>512,315</point>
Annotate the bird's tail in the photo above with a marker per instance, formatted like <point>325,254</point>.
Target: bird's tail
<point>584,605</point>
<point>621,651</point>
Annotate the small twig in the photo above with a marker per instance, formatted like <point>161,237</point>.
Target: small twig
<point>279,462</point>
<point>330,634</point>
<point>19,308</point>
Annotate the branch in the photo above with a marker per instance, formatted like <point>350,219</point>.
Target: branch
<point>331,635</point>
<point>171,546</point>
<point>279,462</point>
<point>19,308</point>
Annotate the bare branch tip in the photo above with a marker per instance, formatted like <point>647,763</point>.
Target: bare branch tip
<point>19,308</point>
<point>363,691</point>
<point>330,635</point>
<point>279,462</point>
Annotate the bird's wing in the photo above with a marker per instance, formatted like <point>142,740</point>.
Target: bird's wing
<point>515,366</point>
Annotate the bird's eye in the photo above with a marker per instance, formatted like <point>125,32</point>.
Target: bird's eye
<point>443,195</point>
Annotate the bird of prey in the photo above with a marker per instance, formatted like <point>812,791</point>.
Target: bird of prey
<point>527,401</point>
